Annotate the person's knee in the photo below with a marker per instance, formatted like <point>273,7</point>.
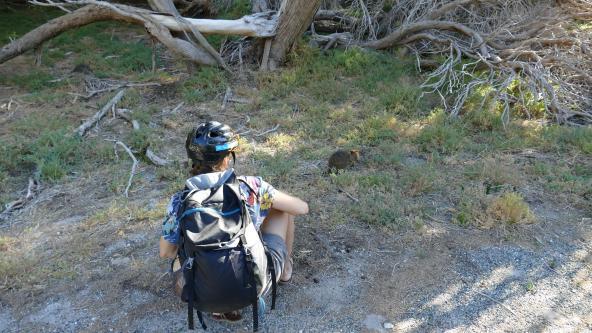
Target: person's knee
<point>276,223</point>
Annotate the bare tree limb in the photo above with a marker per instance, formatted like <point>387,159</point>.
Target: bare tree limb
<point>159,26</point>
<point>396,37</point>
<point>33,188</point>
<point>150,155</point>
<point>82,129</point>
<point>134,165</point>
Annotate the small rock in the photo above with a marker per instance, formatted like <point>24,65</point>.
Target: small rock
<point>315,280</point>
<point>388,326</point>
<point>363,277</point>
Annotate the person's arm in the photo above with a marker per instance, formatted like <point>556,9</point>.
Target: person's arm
<point>289,204</point>
<point>167,249</point>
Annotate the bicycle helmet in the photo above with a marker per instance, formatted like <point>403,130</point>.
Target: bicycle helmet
<point>210,142</point>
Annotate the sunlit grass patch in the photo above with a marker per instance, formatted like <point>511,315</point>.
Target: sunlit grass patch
<point>339,76</point>
<point>282,141</point>
<point>124,212</point>
<point>510,208</point>
<point>496,174</point>
<point>442,134</point>
<point>6,243</point>
<point>386,155</point>
<point>380,208</point>
<point>476,207</point>
<point>374,130</point>
<point>563,138</point>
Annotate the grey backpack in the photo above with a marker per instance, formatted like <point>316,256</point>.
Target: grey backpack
<point>225,264</point>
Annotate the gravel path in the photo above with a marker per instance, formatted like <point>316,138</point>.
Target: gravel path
<point>444,278</point>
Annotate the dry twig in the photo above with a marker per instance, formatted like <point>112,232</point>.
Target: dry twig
<point>273,129</point>
<point>347,194</point>
<point>33,188</point>
<point>82,129</point>
<point>155,159</point>
<point>134,165</point>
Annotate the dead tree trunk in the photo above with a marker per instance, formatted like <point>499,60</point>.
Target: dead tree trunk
<point>294,17</point>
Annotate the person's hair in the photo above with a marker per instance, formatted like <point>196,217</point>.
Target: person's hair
<point>201,168</point>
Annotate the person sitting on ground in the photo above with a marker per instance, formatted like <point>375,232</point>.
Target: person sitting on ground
<point>271,211</point>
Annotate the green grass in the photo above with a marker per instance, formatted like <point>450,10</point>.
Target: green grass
<point>100,46</point>
<point>348,99</point>
<point>43,144</point>
<point>442,134</point>
<point>18,20</point>
<point>204,85</point>
<point>35,80</point>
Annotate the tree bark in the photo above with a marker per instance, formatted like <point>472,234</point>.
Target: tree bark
<point>294,17</point>
<point>168,7</point>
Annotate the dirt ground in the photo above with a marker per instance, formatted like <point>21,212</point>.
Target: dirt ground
<point>100,272</point>
<point>349,277</point>
<point>441,278</point>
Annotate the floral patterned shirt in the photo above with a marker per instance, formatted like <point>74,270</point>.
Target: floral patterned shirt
<point>257,194</point>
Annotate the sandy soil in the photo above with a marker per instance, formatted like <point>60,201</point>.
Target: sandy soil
<point>348,277</point>
<point>439,278</point>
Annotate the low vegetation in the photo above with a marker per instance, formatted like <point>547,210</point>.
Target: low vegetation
<point>417,163</point>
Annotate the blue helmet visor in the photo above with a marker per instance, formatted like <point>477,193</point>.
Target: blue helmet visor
<point>227,146</point>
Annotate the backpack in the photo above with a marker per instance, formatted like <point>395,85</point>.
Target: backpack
<point>225,264</point>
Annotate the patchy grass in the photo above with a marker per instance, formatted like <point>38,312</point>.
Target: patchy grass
<point>43,143</point>
<point>204,85</point>
<point>442,134</point>
<point>349,99</point>
<point>15,22</point>
<point>36,80</point>
<point>510,208</point>
<point>478,208</point>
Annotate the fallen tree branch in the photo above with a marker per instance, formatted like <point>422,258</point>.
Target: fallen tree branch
<point>134,165</point>
<point>150,155</point>
<point>158,161</point>
<point>159,26</point>
<point>273,129</point>
<point>399,35</point>
<point>82,129</point>
<point>347,194</point>
<point>115,87</point>
<point>33,188</point>
<point>260,25</point>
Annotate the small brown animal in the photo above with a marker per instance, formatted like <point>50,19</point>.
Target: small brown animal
<point>342,159</point>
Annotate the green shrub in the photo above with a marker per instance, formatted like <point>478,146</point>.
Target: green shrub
<point>510,208</point>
